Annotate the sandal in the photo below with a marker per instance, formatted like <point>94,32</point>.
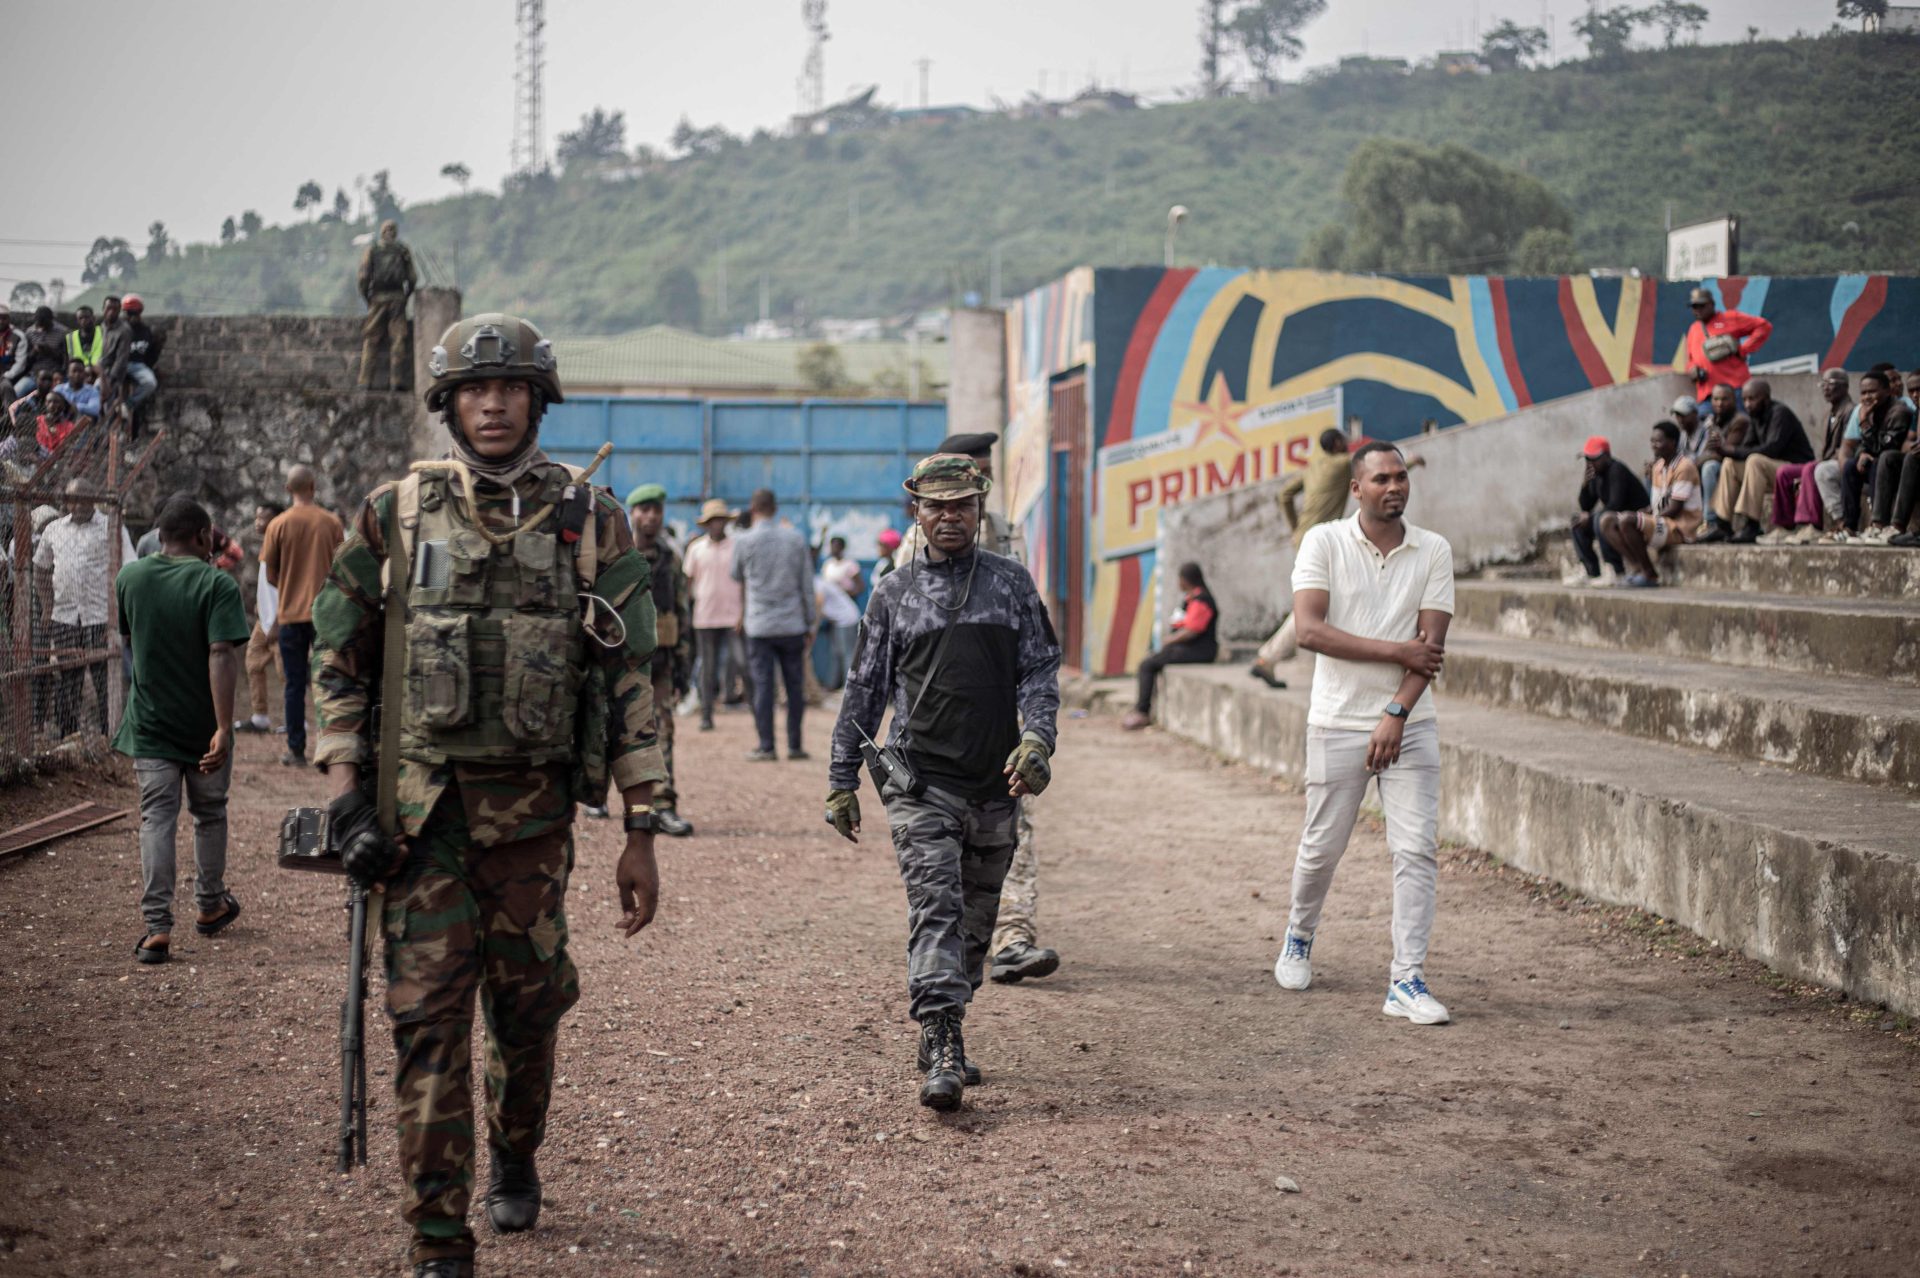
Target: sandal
<point>150,953</point>
<point>219,924</point>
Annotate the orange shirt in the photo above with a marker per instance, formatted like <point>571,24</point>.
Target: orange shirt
<point>296,554</point>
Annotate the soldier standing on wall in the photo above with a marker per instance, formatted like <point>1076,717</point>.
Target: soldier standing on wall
<point>958,642</point>
<point>1017,954</point>
<point>528,637</point>
<point>673,653</point>
<point>387,279</point>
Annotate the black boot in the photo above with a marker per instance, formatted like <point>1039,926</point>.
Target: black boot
<point>968,1071</point>
<point>513,1193</point>
<point>443,1269</point>
<point>945,1054</point>
<point>1022,961</point>
<point>667,821</point>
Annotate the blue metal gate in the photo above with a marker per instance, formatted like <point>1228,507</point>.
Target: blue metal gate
<point>835,465</point>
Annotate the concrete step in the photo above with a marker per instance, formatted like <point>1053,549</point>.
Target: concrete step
<point>1814,572</point>
<point>1818,878</point>
<point>1847,728</point>
<point>1873,638</point>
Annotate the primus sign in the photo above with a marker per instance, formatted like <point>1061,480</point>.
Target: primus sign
<point>1221,445</point>
<point>1704,250</point>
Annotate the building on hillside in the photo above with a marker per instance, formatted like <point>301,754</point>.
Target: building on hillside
<point>1131,390</point>
<point>958,111</point>
<point>1901,19</point>
<point>663,360</point>
<point>1460,62</point>
<point>858,112</point>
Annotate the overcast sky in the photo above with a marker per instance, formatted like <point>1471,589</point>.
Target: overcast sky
<point>209,107</point>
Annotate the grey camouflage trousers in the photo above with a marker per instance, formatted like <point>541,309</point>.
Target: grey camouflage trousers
<point>1020,894</point>
<point>953,858</point>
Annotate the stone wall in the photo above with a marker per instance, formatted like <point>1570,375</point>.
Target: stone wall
<point>304,352</point>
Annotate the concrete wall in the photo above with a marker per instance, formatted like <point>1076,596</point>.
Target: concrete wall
<point>977,381</point>
<point>1490,488</point>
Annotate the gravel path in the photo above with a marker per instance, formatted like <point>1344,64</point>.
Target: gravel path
<point>737,1091</point>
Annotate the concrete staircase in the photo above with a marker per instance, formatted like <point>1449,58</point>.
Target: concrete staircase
<point>1739,752</point>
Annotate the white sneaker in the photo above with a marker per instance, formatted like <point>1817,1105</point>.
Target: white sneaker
<point>1804,535</point>
<point>1773,537</point>
<point>1411,999</point>
<point>1879,535</point>
<point>1293,969</point>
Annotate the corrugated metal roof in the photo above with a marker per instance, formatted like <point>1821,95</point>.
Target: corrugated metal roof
<point>662,355</point>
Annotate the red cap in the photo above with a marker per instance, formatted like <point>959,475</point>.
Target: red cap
<point>132,302</point>
<point>888,538</point>
<point>1596,446</point>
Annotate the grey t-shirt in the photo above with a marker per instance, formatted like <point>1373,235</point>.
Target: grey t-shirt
<point>775,564</point>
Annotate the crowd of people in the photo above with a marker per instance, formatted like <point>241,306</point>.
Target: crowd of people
<point>60,382</point>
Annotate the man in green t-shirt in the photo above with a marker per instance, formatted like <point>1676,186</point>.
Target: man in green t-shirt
<point>182,619</point>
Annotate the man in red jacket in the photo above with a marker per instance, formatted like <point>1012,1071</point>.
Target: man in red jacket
<point>1719,344</point>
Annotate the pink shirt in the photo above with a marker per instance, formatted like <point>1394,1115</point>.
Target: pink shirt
<point>718,600</point>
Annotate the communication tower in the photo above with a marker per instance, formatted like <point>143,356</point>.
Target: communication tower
<point>813,73</point>
<point>529,59</point>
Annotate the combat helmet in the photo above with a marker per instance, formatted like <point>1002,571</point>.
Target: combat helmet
<point>492,345</point>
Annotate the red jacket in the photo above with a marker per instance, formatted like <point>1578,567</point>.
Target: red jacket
<point>1731,371</point>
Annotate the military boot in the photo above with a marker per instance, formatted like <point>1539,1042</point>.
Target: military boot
<point>513,1193</point>
<point>941,1047</point>
<point>445,1268</point>
<point>969,1070</point>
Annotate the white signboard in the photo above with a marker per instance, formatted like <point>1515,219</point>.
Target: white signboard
<point>1703,251</point>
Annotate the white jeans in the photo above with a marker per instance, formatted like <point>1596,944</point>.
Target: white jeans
<point>1410,796</point>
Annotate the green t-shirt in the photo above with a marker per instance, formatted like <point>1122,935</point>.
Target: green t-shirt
<point>172,608</point>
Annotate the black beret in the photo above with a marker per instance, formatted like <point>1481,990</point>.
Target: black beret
<point>969,445</point>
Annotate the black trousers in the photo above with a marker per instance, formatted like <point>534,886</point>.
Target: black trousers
<point>1587,540</point>
<point>789,652</point>
<point>1177,654</point>
<point>1896,482</point>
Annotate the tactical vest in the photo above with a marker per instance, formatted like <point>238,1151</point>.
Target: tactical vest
<point>388,270</point>
<point>496,657</point>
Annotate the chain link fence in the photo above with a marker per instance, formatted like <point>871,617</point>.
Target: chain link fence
<point>62,542</point>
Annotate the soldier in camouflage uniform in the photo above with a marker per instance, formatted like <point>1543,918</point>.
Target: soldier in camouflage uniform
<point>517,705</point>
<point>1017,954</point>
<point>958,642</point>
<point>673,657</point>
<point>387,279</point>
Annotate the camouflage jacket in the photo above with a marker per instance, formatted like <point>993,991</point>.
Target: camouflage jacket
<point>998,674</point>
<point>502,803</point>
<point>672,597</point>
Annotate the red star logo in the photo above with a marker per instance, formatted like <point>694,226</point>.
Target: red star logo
<point>1218,413</point>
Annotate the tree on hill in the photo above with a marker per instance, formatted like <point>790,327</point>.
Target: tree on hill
<point>250,224</point>
<point>386,205</point>
<point>1509,44</point>
<point>342,206</point>
<point>602,136</point>
<point>107,260</point>
<point>1870,12</point>
<point>56,292</point>
<point>1608,32</point>
<point>457,173</point>
<point>1437,210</point>
<point>156,243</point>
<point>228,231</point>
<point>1213,40</point>
<point>690,141</point>
<point>1544,251</point>
<point>677,298</point>
<point>309,197</point>
<point>26,295</point>
<point>824,370</point>
<point>1675,16</point>
<point>1268,32</point>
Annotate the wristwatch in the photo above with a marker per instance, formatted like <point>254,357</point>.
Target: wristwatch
<point>640,822</point>
<point>1394,708</point>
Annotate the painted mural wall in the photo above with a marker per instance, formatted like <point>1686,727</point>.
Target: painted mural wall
<point>1203,380</point>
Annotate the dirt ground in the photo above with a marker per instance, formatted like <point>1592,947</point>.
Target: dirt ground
<point>738,1096</point>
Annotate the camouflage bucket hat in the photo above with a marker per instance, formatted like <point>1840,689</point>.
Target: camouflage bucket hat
<point>492,346</point>
<point>945,476</point>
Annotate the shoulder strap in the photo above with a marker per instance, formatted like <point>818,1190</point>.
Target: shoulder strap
<point>393,670</point>
<point>401,530</point>
<point>586,556</point>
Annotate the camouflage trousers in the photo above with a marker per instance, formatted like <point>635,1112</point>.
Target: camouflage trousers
<point>664,794</point>
<point>953,857</point>
<point>386,319</point>
<point>458,920</point>
<point>1020,894</point>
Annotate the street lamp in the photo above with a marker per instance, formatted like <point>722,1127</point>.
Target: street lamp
<point>1175,216</point>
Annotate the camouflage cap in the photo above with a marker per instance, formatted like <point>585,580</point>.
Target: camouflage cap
<point>945,476</point>
<point>492,345</point>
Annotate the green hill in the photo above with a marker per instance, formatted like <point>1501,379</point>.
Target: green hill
<point>1808,140</point>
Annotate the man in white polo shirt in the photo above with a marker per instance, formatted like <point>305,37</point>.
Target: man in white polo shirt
<point>1373,596</point>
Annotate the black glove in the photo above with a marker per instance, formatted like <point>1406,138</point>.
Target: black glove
<point>353,826</point>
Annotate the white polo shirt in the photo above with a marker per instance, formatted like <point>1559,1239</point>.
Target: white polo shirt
<point>1373,596</point>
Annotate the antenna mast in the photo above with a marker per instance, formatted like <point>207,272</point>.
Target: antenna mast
<point>529,59</point>
<point>813,72</point>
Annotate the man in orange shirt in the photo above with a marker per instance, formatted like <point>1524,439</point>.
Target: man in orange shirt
<point>1719,343</point>
<point>296,554</point>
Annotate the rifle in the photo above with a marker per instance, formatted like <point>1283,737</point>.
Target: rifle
<point>306,843</point>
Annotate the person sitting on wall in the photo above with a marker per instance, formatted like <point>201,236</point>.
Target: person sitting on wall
<point>1804,492</point>
<point>1671,518</point>
<point>1190,641</point>
<point>1719,343</point>
<point>1608,486</point>
<point>1692,428</point>
<point>1744,495</point>
<point>1726,427</point>
<point>1324,481</point>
